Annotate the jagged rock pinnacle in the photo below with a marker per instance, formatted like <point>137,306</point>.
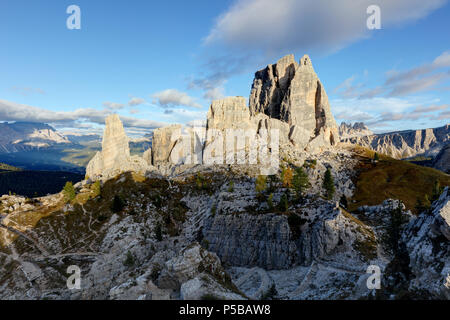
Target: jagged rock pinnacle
<point>115,155</point>
<point>292,92</point>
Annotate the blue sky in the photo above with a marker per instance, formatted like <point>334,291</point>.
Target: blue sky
<point>159,62</point>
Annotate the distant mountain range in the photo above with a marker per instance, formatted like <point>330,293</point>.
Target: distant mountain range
<point>39,146</point>
<point>21,136</point>
<point>401,144</point>
<point>358,129</point>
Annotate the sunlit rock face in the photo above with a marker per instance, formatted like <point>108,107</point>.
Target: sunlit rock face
<point>164,139</point>
<point>115,155</point>
<point>292,92</point>
<point>115,149</point>
<point>228,113</point>
<point>405,144</point>
<point>288,109</point>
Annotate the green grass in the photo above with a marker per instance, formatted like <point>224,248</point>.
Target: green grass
<point>397,179</point>
<point>7,167</point>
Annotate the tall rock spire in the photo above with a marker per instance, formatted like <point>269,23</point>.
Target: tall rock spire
<point>292,92</point>
<point>115,155</point>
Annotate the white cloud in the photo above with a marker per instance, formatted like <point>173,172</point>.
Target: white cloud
<point>11,111</point>
<point>277,27</point>
<point>252,33</point>
<point>443,60</point>
<point>172,98</point>
<point>390,113</point>
<point>113,106</point>
<point>135,101</point>
<point>214,93</point>
<point>421,78</point>
<point>26,91</point>
<point>181,115</point>
<point>375,105</point>
<point>426,77</point>
<point>431,108</point>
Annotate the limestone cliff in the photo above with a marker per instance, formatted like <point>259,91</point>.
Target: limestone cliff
<point>442,160</point>
<point>292,92</point>
<point>115,155</point>
<point>406,144</point>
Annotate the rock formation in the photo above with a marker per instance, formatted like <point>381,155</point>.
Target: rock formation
<point>292,92</point>
<point>228,113</point>
<point>164,139</point>
<point>359,129</point>
<point>115,155</point>
<point>406,144</point>
<point>427,239</point>
<point>442,160</point>
<point>287,96</point>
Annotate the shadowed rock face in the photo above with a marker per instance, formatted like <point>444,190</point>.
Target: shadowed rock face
<point>292,92</point>
<point>271,85</point>
<point>442,160</point>
<point>427,238</point>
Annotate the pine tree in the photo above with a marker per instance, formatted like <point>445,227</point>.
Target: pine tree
<point>96,189</point>
<point>343,202</point>
<point>284,203</point>
<point>118,204</point>
<point>436,192</point>
<point>260,185</point>
<point>69,191</point>
<point>231,186</point>
<point>300,182</point>
<point>376,157</point>
<point>270,201</point>
<point>158,232</point>
<point>328,185</point>
<point>397,219</point>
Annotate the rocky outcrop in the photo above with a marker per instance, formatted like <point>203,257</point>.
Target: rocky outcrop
<point>442,160</point>
<point>229,113</point>
<point>292,92</point>
<point>358,129</point>
<point>115,155</point>
<point>164,139</point>
<point>406,144</point>
<point>272,242</point>
<point>287,96</point>
<point>427,239</point>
